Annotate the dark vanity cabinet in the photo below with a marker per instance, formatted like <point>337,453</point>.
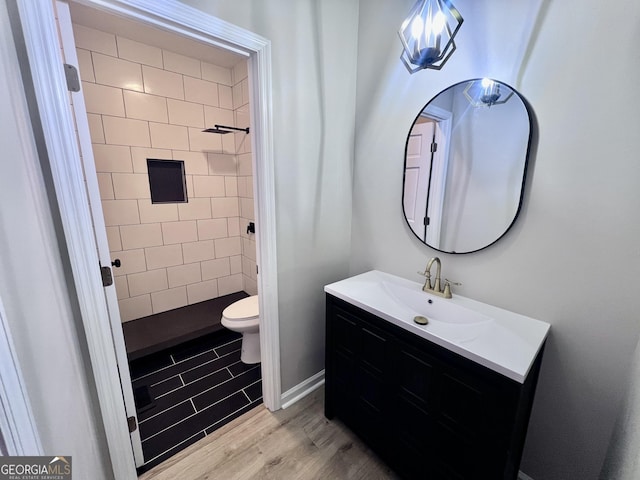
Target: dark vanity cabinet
<point>428,412</point>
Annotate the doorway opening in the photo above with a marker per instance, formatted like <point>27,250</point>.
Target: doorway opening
<point>173,200</point>
<point>105,341</point>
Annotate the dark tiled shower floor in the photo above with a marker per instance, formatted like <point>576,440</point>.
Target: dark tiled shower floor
<point>188,391</point>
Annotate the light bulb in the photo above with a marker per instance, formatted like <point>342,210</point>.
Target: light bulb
<point>437,23</point>
<point>416,28</point>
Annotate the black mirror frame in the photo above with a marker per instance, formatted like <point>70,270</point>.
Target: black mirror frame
<point>527,158</point>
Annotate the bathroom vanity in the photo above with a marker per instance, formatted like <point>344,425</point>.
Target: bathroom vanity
<point>447,400</point>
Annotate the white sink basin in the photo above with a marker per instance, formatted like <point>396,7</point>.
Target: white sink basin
<point>433,307</point>
<point>503,341</point>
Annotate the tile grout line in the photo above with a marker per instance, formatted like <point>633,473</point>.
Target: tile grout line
<point>222,383</point>
<point>181,379</point>
<point>187,418</point>
<point>189,369</point>
<point>140,422</point>
<point>233,413</point>
<point>162,381</point>
<point>204,391</point>
<point>200,378</point>
<point>252,384</point>
<point>193,405</point>
<point>169,366</point>
<point>188,358</point>
<point>228,343</point>
<point>215,371</point>
<point>245,394</point>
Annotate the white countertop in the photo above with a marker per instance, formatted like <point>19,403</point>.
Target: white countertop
<point>498,339</point>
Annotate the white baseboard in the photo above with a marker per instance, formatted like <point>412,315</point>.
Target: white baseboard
<point>523,476</point>
<point>303,389</point>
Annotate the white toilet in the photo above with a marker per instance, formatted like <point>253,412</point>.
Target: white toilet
<point>244,316</point>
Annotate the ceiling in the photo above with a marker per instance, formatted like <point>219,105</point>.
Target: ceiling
<point>140,32</point>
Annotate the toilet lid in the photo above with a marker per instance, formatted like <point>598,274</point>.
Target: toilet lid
<point>242,309</point>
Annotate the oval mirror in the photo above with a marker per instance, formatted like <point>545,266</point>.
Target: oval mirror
<point>465,166</point>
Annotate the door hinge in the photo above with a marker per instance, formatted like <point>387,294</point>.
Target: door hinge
<point>425,221</point>
<point>434,147</point>
<point>107,278</point>
<point>133,425</point>
<point>73,80</point>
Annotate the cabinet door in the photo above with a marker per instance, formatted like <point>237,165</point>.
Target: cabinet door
<point>414,426</point>
<point>444,418</point>
<point>359,366</point>
<point>373,405</point>
<point>341,377</point>
<point>470,413</point>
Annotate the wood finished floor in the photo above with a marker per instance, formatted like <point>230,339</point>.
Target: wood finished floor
<point>298,443</point>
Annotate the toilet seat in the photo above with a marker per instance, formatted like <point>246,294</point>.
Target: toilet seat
<point>246,309</point>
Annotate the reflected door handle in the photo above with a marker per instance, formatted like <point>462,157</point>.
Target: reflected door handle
<point>116,263</point>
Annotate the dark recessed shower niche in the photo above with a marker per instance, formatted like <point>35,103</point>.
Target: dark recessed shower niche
<point>167,181</point>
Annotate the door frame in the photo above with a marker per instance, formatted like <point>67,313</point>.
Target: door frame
<point>37,20</point>
<point>418,223</point>
<point>79,109</point>
<point>443,125</point>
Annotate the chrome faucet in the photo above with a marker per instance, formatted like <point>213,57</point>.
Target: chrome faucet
<point>435,288</point>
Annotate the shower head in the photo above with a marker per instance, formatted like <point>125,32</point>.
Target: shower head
<point>222,129</point>
<point>216,130</point>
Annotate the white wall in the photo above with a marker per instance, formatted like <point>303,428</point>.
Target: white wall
<point>572,257</point>
<point>484,177</point>
<point>44,323</point>
<point>622,461</point>
<point>570,260</point>
<point>314,61</point>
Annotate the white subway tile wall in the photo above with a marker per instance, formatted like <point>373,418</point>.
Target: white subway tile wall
<point>94,40</point>
<point>145,107</point>
<point>102,99</point>
<point>125,131</point>
<point>122,287</point>
<point>145,102</point>
<point>138,52</point>
<point>95,127</point>
<point>117,73</point>
<point>242,184</point>
<point>214,73</point>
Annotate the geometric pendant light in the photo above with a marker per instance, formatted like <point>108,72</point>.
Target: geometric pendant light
<point>428,33</point>
<point>485,93</point>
